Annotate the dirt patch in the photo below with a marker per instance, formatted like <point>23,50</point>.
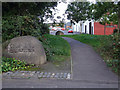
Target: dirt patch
<point>55,67</point>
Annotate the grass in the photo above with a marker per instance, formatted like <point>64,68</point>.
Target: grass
<point>106,45</point>
<point>57,49</point>
<point>93,40</point>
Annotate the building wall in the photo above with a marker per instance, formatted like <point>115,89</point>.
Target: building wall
<point>80,27</point>
<point>76,27</point>
<point>86,23</point>
<point>99,29</point>
<point>93,27</point>
<point>87,27</point>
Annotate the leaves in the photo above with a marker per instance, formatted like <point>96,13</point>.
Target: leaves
<point>27,8</point>
<point>79,11</point>
<point>106,12</point>
<point>11,64</point>
<point>21,18</point>
<point>21,26</point>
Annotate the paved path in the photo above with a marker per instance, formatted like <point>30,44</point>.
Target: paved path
<point>87,64</point>
<point>89,71</point>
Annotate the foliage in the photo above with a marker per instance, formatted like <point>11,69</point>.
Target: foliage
<point>55,47</point>
<point>11,64</point>
<point>28,8</point>
<point>79,11</point>
<point>21,26</point>
<point>106,12</point>
<point>114,64</point>
<point>107,46</point>
<point>115,31</point>
<point>61,24</point>
<point>21,18</point>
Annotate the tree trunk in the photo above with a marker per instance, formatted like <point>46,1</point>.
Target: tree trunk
<point>118,16</point>
<point>104,29</point>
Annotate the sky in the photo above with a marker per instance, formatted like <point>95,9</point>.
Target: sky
<point>61,8</point>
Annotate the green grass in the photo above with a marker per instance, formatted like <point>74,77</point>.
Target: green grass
<point>56,48</point>
<point>93,40</point>
<point>106,45</point>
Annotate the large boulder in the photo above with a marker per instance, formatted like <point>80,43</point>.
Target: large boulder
<point>25,48</point>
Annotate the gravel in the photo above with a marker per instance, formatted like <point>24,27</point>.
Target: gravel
<point>36,74</point>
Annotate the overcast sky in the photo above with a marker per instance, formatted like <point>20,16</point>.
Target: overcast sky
<point>61,8</point>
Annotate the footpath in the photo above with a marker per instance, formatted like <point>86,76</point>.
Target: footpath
<point>88,71</point>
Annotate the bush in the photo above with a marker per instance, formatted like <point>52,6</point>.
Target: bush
<point>11,64</point>
<point>115,31</point>
<point>21,26</point>
<point>114,64</point>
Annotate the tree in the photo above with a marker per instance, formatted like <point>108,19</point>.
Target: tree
<point>104,12</point>
<point>79,11</point>
<point>21,18</point>
<point>28,8</point>
<point>107,12</point>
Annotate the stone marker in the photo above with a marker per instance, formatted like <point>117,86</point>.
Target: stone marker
<point>26,48</point>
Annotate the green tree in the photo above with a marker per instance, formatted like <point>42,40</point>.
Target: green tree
<point>21,18</point>
<point>79,11</point>
<point>25,8</point>
<point>107,12</point>
<point>104,12</point>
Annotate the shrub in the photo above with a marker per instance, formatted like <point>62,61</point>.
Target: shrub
<point>21,26</point>
<point>11,64</point>
<point>115,31</point>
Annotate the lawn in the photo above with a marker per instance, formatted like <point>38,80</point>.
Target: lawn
<point>56,48</point>
<point>108,46</point>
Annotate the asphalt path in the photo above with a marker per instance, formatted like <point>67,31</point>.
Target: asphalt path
<point>88,71</point>
<point>87,64</point>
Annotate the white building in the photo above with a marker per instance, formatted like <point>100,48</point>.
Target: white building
<point>84,27</point>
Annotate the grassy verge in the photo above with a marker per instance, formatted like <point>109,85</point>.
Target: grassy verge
<point>107,46</point>
<point>56,48</point>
